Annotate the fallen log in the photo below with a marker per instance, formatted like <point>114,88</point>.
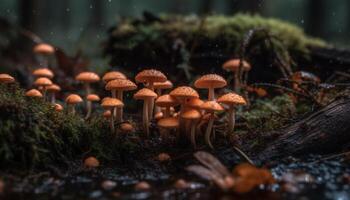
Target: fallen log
<point>325,131</point>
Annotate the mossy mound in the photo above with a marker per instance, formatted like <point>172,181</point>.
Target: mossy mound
<point>203,44</point>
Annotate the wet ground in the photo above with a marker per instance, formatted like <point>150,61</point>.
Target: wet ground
<point>311,177</point>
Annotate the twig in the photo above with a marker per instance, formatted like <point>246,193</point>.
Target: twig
<point>332,156</point>
<point>243,155</point>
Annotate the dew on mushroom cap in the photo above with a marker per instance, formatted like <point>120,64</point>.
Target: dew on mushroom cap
<point>210,82</point>
<point>109,76</point>
<point>6,78</point>
<point>43,72</point>
<point>34,93</point>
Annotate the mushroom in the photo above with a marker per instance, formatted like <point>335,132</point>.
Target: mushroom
<point>149,77</point>
<point>53,89</point>
<point>44,50</point>
<point>231,100</point>
<point>91,162</point>
<point>6,78</point>
<point>34,93</point>
<point>58,107</point>
<point>192,115</point>
<point>166,101</point>
<point>87,78</point>
<point>159,86</point>
<point>91,98</point>
<point>43,72</point>
<point>210,81</point>
<point>143,185</point>
<point>117,87</point>
<point>43,83</point>
<point>72,100</point>
<point>147,96</point>
<point>110,76</point>
<point>107,114</point>
<point>210,107</point>
<point>195,103</point>
<point>234,65</point>
<point>109,104</point>
<point>183,94</point>
<point>127,127</point>
<point>167,123</point>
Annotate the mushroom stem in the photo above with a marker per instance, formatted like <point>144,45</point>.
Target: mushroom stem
<point>209,130</point>
<point>119,110</point>
<point>89,107</point>
<point>112,124</point>
<point>88,91</point>
<point>231,120</point>
<point>44,93</point>
<point>151,102</point>
<point>211,94</point>
<point>73,109</point>
<point>157,108</point>
<point>145,118</point>
<point>236,86</point>
<point>53,97</point>
<point>167,112</point>
<point>114,95</point>
<point>193,135</point>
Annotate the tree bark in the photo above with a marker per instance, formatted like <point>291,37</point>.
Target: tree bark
<point>325,131</point>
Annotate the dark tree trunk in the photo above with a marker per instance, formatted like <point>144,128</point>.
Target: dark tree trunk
<point>315,12</point>
<point>251,6</point>
<point>28,11</point>
<point>97,13</point>
<point>325,131</point>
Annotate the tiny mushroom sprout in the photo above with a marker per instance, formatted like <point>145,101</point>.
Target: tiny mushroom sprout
<point>34,93</point>
<point>210,81</point>
<point>43,83</point>
<point>53,89</point>
<point>87,78</point>
<point>167,123</point>
<point>210,107</point>
<point>193,116</point>
<point>91,98</point>
<point>109,104</point>
<point>234,65</point>
<point>166,101</point>
<point>149,77</point>
<point>231,100</point>
<point>72,100</point>
<point>146,95</point>
<point>43,72</point>
<point>44,50</point>
<point>110,76</point>
<point>118,86</point>
<point>91,162</point>
<point>107,114</point>
<point>5,78</point>
<point>159,86</point>
<point>58,107</point>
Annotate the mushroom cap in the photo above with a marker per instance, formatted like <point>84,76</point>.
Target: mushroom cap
<point>34,93</point>
<point>232,99</point>
<point>53,88</point>
<point>93,97</point>
<point>195,103</point>
<point>109,103</point>
<point>107,114</point>
<point>145,93</point>
<point>91,162</point>
<point>73,99</point>
<point>58,107</point>
<point>233,65</point>
<point>212,106</point>
<point>44,49</point>
<point>169,122</point>
<point>191,114</point>
<point>210,81</point>
<point>127,127</point>
<point>150,75</point>
<point>43,72</point>
<point>121,84</point>
<point>163,85</point>
<point>184,92</point>
<point>158,115</point>
<point>42,81</point>
<point>6,78</point>
<point>87,77</point>
<point>166,101</point>
<point>109,76</point>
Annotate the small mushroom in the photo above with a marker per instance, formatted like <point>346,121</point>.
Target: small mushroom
<point>43,83</point>
<point>58,107</point>
<point>91,162</point>
<point>234,65</point>
<point>107,114</point>
<point>163,157</point>
<point>72,100</point>
<point>6,78</point>
<point>127,127</point>
<point>109,104</point>
<point>149,77</point>
<point>113,75</point>
<point>159,86</point>
<point>166,101</point>
<point>87,78</point>
<point>34,93</point>
<point>43,72</point>
<point>167,124</point>
<point>143,185</point>
<point>117,87</point>
<point>192,116</point>
<point>146,95</point>
<point>210,82</point>
<point>91,98</point>
<point>231,100</point>
<point>53,89</point>
<point>210,107</point>
<point>45,51</point>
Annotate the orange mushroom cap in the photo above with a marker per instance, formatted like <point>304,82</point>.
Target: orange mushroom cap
<point>33,93</point>
<point>93,97</point>
<point>107,114</point>
<point>191,114</point>
<point>233,65</point>
<point>43,72</point>
<point>212,106</point>
<point>121,84</point>
<point>184,92</point>
<point>145,93</point>
<point>73,99</point>
<point>87,77</point>
<point>58,107</point>
<point>150,75</point>
<point>163,85</point>
<point>166,101</point>
<point>232,99</point>
<point>195,103</point>
<point>169,122</point>
<point>44,49</point>
<point>109,103</point>
<point>53,88</point>
<point>210,81</point>
<point>109,76</point>
<point>6,78</point>
<point>42,81</point>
